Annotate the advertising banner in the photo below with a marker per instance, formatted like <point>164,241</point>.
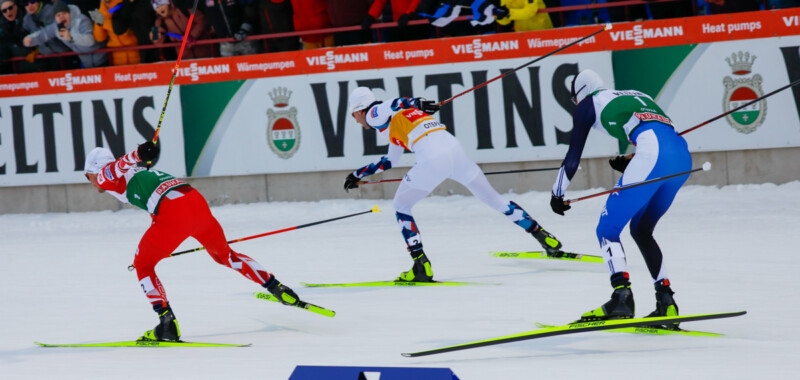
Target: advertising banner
<point>45,139</point>
<point>287,112</point>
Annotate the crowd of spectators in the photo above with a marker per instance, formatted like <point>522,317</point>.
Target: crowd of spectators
<point>36,28</point>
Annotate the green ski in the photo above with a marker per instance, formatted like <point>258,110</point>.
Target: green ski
<point>144,343</point>
<point>393,283</point>
<point>576,328</point>
<point>300,304</point>
<point>650,331</point>
<point>569,256</point>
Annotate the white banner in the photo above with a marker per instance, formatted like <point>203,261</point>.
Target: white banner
<point>512,119</point>
<point>45,139</point>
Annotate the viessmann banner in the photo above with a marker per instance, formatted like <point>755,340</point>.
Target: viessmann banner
<point>286,112</point>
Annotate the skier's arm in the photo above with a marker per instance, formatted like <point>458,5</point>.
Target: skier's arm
<point>582,121</point>
<point>385,162</point>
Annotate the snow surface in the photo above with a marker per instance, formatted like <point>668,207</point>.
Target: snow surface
<point>64,280</point>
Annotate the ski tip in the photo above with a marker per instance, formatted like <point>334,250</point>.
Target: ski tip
<point>608,27</point>
<point>706,166</point>
<point>407,355</point>
<point>375,209</point>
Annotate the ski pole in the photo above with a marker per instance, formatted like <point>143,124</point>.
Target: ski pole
<point>175,72</point>
<point>374,209</point>
<point>489,173</point>
<point>706,167</point>
<point>795,83</point>
<point>573,43</point>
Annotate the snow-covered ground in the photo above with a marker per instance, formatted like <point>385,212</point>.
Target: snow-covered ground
<point>64,280</point>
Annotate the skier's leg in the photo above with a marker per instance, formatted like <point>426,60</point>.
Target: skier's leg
<point>209,233</point>
<point>416,185</point>
<point>166,232</point>
<point>470,175</point>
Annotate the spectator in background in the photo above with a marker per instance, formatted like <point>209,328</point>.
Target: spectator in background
<point>554,18</point>
<point>11,35</point>
<point>122,35</point>
<point>348,13</point>
<point>276,16</point>
<point>403,11</point>
<point>443,13</point>
<point>627,12</point>
<point>732,6</point>
<point>525,15</point>
<point>672,10</point>
<point>170,26</point>
<point>312,15</point>
<point>138,16</point>
<point>39,14</point>
<point>775,4</point>
<point>232,19</point>
<point>74,30</point>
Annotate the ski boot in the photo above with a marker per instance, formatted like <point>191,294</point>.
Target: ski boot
<point>421,271</point>
<point>665,305</point>
<point>620,306</point>
<point>282,292</point>
<point>167,328</point>
<point>549,242</point>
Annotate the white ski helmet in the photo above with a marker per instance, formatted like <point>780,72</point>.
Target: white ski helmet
<point>97,159</point>
<point>360,99</point>
<point>583,84</point>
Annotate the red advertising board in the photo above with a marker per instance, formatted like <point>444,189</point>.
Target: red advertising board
<point>622,36</point>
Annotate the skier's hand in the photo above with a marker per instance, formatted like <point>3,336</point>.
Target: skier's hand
<point>558,205</point>
<point>149,151</point>
<point>351,182</point>
<point>367,22</point>
<point>428,106</point>
<point>501,12</point>
<point>619,163</point>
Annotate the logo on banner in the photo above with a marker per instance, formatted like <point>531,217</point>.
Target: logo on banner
<point>283,132</point>
<point>742,89</point>
<point>478,47</point>
<point>638,34</point>
<point>330,59</point>
<point>195,71</point>
<point>69,80</point>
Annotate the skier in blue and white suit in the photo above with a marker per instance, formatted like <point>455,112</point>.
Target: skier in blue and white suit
<point>634,117</point>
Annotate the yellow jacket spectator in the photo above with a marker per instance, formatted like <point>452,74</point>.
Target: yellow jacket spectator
<point>104,30</point>
<point>525,15</point>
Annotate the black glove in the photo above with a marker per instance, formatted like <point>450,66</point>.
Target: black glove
<point>558,205</point>
<point>243,32</point>
<point>619,163</point>
<point>428,106</point>
<point>403,20</point>
<point>368,21</point>
<point>149,151</point>
<point>282,292</point>
<point>500,12</point>
<point>351,182</point>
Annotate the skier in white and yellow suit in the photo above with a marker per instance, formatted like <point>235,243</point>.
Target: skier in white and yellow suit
<point>407,123</point>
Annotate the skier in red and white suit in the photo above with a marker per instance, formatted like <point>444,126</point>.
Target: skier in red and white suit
<point>178,211</point>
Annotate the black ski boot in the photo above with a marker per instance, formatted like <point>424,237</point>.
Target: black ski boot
<point>620,306</point>
<point>167,328</point>
<point>549,242</point>
<point>421,271</point>
<point>665,304</point>
<point>282,292</point>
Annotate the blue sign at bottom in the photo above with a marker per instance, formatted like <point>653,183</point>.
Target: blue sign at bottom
<point>309,372</point>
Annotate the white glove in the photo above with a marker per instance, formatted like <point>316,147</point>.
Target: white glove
<point>97,17</point>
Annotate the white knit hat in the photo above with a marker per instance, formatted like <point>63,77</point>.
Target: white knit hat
<point>97,159</point>
<point>360,99</point>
